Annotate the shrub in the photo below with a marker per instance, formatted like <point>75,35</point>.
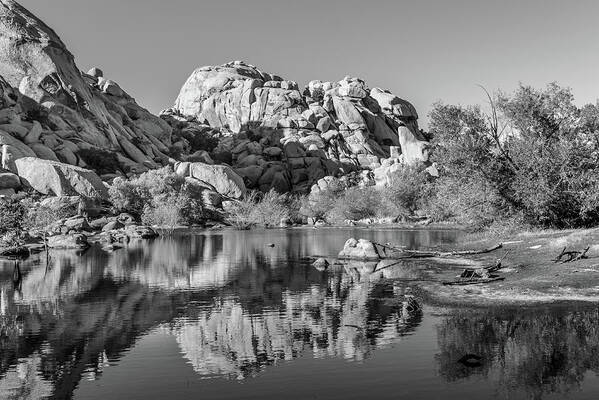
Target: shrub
<point>410,189</point>
<point>12,214</point>
<point>354,204</point>
<point>38,217</point>
<point>101,161</point>
<point>152,193</point>
<point>317,205</point>
<point>266,210</point>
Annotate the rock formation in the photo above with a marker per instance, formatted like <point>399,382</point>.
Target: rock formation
<point>280,137</point>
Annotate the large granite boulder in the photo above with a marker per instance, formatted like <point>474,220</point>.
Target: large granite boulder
<point>59,179</point>
<point>221,178</point>
<point>237,96</point>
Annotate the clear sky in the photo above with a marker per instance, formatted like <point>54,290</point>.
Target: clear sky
<point>422,50</point>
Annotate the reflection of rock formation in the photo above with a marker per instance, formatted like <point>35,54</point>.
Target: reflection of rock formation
<point>534,351</point>
<point>335,319</point>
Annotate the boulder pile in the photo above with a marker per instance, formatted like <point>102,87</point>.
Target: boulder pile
<point>276,136</point>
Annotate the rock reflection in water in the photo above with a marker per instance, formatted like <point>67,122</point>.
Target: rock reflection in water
<point>337,317</point>
<point>233,304</point>
<point>535,351</point>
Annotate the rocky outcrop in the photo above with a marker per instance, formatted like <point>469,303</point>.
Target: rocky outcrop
<point>51,110</point>
<point>279,137</point>
<point>59,179</point>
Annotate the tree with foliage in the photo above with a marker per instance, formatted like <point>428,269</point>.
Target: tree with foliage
<point>534,157</point>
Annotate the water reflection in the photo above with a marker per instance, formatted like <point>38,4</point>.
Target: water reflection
<point>535,351</point>
<point>233,304</point>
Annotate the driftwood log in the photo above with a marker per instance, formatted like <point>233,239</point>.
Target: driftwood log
<point>395,252</point>
<point>570,256</point>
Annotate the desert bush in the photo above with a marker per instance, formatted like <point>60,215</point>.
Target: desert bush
<point>101,161</point>
<point>152,193</point>
<point>38,217</point>
<point>12,214</point>
<point>409,189</point>
<point>266,210</point>
<point>317,205</point>
<point>356,203</point>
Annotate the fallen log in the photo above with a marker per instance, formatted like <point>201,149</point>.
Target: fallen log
<point>403,253</point>
<point>572,255</point>
<point>473,281</point>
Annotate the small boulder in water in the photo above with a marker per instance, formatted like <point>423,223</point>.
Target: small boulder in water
<point>359,249</point>
<point>321,264</point>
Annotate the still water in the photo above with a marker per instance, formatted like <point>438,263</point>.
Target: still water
<point>221,315</point>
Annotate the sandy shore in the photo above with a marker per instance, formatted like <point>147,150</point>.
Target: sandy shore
<point>531,275</point>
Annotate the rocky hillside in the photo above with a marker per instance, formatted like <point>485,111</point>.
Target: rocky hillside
<point>51,110</point>
<point>57,123</point>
